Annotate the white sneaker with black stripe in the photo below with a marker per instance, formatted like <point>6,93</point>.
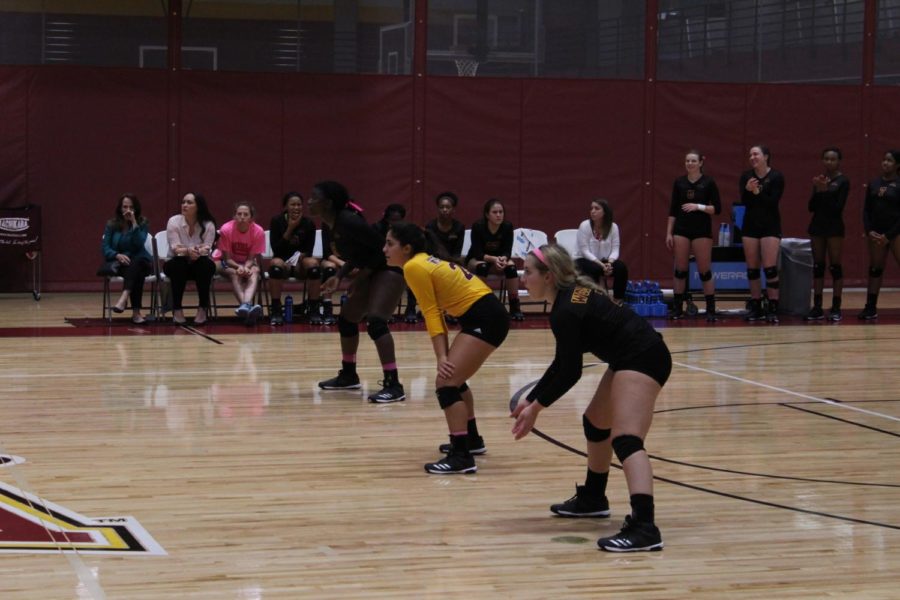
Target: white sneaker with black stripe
<point>636,536</point>
<point>453,464</point>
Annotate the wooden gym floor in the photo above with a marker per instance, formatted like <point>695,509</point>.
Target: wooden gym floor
<point>775,448</point>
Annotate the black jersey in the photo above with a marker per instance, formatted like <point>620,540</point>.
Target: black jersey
<point>302,239</point>
<point>357,242</point>
<point>493,244</point>
<point>881,212</point>
<point>452,240</point>
<point>762,217</point>
<point>828,208</point>
<point>584,320</point>
<point>702,191</point>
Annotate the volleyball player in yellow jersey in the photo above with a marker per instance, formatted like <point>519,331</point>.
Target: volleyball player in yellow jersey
<point>441,286</point>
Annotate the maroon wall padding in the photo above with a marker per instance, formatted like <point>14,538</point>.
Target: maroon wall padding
<point>473,145</point>
<point>92,135</point>
<point>13,136</point>
<point>72,139</point>
<point>354,129</point>
<point>582,140</point>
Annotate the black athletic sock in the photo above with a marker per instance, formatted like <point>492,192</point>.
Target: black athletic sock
<point>710,304</point>
<point>836,303</point>
<point>348,367</point>
<point>472,428</point>
<point>642,507</point>
<point>817,300</point>
<point>872,300</point>
<point>595,483</point>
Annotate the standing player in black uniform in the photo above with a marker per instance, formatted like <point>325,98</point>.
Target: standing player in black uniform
<point>881,217</point>
<point>395,213</point>
<point>829,196</point>
<point>292,237</point>
<point>492,241</point>
<point>375,291</point>
<point>695,197</point>
<point>583,319</point>
<point>449,232</point>
<point>761,188</point>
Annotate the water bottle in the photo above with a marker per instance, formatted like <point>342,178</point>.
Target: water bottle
<point>289,309</point>
<point>724,235</point>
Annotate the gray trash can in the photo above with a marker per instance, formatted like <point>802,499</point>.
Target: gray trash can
<point>795,276</point>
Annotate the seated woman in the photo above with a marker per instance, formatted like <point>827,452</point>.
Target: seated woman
<point>443,286</point>
<point>491,252</point>
<point>293,237</point>
<point>190,235</point>
<point>124,251</point>
<point>241,242</point>
<point>449,232</point>
<point>597,254</point>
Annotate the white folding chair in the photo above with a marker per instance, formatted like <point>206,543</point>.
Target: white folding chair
<point>568,239</point>
<point>524,241</point>
<point>152,279</point>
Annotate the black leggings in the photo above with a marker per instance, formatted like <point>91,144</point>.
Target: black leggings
<point>134,274</point>
<point>180,269</point>
<point>594,270</point>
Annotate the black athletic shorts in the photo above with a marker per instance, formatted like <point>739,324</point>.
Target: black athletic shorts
<point>655,362</point>
<point>693,234</point>
<point>487,320</point>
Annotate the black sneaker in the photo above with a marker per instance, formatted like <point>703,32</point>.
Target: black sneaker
<point>634,537</point>
<point>276,319</point>
<point>476,446</point>
<point>343,381</point>
<point>711,317</point>
<point>834,315</point>
<point>389,393</point>
<point>755,314</point>
<point>453,463</point>
<point>772,317</point>
<point>816,314</point>
<point>581,505</point>
<point>677,314</point>
<point>868,313</point>
<point>315,318</point>
<point>328,320</point>
<point>515,310</point>
<point>410,317</point>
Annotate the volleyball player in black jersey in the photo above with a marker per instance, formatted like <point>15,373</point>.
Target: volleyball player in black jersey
<point>292,237</point>
<point>826,229</point>
<point>881,217</point>
<point>491,252</point>
<point>374,294</point>
<point>584,319</point>
<point>695,197</point>
<point>761,188</point>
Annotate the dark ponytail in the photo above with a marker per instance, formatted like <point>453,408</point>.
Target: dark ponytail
<point>421,240</point>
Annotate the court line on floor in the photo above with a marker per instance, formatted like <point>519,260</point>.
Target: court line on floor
<point>782,390</point>
<point>84,574</point>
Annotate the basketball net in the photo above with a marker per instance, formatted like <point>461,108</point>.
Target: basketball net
<point>466,67</point>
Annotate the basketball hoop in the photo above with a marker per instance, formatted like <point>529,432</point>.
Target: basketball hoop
<point>466,67</point>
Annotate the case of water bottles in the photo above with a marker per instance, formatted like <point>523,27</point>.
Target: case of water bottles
<point>646,299</point>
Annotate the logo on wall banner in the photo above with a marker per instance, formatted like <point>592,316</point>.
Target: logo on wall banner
<point>32,525</point>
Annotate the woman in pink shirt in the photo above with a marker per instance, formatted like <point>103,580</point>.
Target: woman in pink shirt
<point>241,242</point>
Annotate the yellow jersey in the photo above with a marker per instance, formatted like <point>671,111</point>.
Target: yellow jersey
<point>441,286</point>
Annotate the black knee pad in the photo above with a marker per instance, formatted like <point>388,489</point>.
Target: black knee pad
<point>314,273</point>
<point>819,270</point>
<point>448,396</point>
<point>753,274</point>
<point>510,272</point>
<point>626,445</point>
<point>681,274</point>
<point>837,272</point>
<point>277,272</point>
<point>705,276</point>
<point>328,272</point>
<point>482,269</point>
<point>771,272</point>
<point>377,327</point>
<point>346,328</point>
<point>875,272</point>
<point>591,433</point>
<point>464,388</point>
